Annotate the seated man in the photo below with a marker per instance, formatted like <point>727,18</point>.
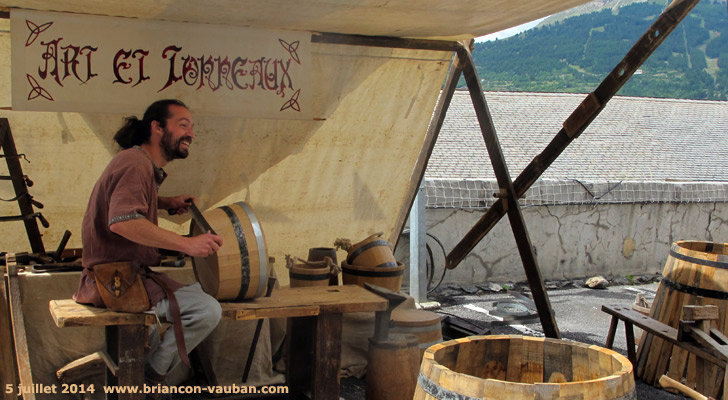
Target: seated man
<point>120,225</point>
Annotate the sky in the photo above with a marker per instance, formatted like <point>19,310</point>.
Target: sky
<point>509,32</point>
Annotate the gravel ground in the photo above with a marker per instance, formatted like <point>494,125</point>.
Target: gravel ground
<point>577,310</point>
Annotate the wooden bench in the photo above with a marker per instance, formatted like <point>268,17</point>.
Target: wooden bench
<point>313,344</point>
<point>632,318</point>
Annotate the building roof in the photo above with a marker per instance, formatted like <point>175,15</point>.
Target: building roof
<point>637,139</point>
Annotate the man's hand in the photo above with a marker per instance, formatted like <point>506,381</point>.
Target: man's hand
<point>203,245</point>
<point>176,204</point>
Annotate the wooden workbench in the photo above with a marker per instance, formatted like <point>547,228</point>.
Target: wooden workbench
<point>313,344</point>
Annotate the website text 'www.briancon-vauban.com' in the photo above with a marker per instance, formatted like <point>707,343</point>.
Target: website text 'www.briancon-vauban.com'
<point>145,389</point>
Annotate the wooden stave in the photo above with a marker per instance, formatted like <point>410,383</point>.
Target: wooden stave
<point>655,356</point>
<point>618,385</point>
<point>233,288</point>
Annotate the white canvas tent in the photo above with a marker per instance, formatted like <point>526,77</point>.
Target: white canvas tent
<point>346,173</point>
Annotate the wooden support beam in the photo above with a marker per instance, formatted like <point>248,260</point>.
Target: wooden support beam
<point>433,131</point>
<point>21,340</point>
<point>8,373</point>
<point>592,105</point>
<point>520,232</point>
<point>385,41</point>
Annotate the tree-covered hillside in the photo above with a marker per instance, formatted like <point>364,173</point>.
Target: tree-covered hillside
<point>575,54</point>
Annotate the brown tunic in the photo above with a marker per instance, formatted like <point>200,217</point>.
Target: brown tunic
<point>127,189</point>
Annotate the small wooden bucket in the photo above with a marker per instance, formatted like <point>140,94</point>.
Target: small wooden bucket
<point>392,367</point>
<point>370,252</point>
<point>696,273</point>
<point>389,278</point>
<point>425,325</point>
<point>319,253</point>
<point>308,273</point>
<point>513,367</point>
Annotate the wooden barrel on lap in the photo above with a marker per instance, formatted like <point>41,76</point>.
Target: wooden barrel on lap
<point>239,270</point>
<point>695,273</point>
<point>513,367</point>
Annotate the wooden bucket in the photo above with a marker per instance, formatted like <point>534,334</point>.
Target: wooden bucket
<point>308,273</point>
<point>319,253</point>
<point>516,367</point>
<point>239,270</point>
<point>392,366</point>
<point>696,273</point>
<point>425,325</point>
<point>389,278</point>
<point>372,252</point>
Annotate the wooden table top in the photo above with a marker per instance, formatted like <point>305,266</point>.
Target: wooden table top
<point>285,302</point>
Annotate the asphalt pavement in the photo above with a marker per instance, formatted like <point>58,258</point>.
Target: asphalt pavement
<point>577,310</point>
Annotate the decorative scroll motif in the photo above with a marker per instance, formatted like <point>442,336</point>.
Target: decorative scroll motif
<point>36,90</point>
<point>293,102</point>
<point>35,31</point>
<point>291,48</point>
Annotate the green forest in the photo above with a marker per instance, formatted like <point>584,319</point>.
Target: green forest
<point>575,54</point>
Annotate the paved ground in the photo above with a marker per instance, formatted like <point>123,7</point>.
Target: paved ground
<point>578,315</point>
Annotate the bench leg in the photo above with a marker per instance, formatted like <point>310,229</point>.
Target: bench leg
<point>612,330</point>
<point>299,354</point>
<point>327,357</point>
<point>629,333</point>
<point>125,345</point>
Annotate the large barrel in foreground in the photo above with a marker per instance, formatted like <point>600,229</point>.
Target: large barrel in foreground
<point>239,270</point>
<point>512,367</point>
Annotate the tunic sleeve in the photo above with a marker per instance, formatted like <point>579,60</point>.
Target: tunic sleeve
<point>129,197</point>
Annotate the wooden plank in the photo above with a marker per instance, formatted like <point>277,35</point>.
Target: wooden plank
<point>495,363</point>
<point>16,313</point>
<point>557,362</point>
<point>699,313</point>
<point>8,374</point>
<point>515,349</point>
<point>515,217</point>
<point>83,368</point>
<point>286,302</point>
<point>532,360</point>
<point>67,312</point>
<point>327,356</point>
<point>428,145</point>
<point>580,362</point>
<point>641,50</point>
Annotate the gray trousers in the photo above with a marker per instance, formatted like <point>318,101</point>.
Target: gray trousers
<point>200,314</point>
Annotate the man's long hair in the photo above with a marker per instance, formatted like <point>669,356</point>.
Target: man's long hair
<point>136,132</point>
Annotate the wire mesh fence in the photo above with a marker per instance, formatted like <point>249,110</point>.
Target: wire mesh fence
<point>479,193</point>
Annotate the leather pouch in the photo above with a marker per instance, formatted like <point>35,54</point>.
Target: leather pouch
<point>121,288</point>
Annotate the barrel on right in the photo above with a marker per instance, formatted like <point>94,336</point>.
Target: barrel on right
<point>696,273</point>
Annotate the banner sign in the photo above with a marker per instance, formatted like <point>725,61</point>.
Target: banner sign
<point>85,63</point>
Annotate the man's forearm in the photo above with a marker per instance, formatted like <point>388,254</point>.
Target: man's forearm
<point>144,232</point>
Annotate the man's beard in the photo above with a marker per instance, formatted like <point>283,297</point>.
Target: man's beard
<point>173,151</point>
